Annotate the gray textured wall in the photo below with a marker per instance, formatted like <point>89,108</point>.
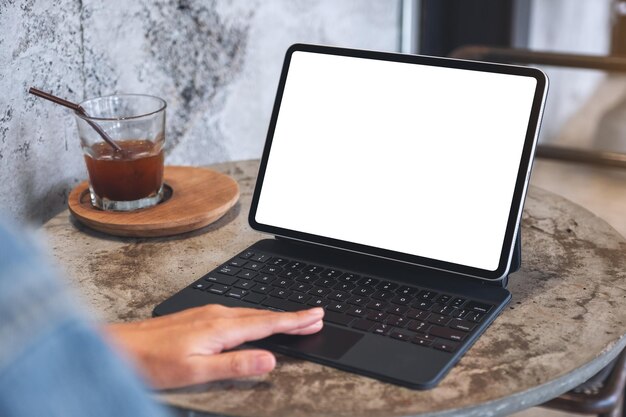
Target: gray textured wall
<point>215,62</point>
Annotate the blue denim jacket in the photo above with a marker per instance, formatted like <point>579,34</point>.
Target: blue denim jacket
<point>52,360</point>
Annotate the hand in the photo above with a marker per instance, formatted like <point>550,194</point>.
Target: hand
<point>186,348</point>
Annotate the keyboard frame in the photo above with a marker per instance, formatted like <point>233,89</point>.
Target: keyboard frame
<point>414,366</point>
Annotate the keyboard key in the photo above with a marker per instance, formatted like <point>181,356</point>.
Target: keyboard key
<point>277,261</point>
<point>319,292</point>
<point>247,274</point>
<point>218,288</point>
<point>259,258</point>
<point>201,286</point>
<point>262,288</point>
<point>246,255</point>
<point>255,266</point>
<point>377,315</point>
<point>295,265</point>
<point>438,319</point>
<point>426,336</point>
<point>349,277</point>
<point>426,295</point>
<point>299,297</point>
<point>325,282</point>
<point>445,345</point>
<point>457,302</point>
<point>377,305</point>
<point>236,293</point>
<point>344,286</point>
<point>381,329</point>
<point>417,314</point>
<point>338,296</point>
<point>237,262</point>
<point>302,287</point>
<point>479,307</point>
<point>307,278</point>
<point>418,326</point>
<point>459,313</point>
<point>228,270</point>
<point>444,310</point>
<point>313,269</point>
<point>264,279</point>
<point>402,300</point>
<point>272,269</point>
<point>280,293</point>
<point>288,273</point>
<point>317,302</point>
<point>367,281</point>
<point>337,318</point>
<point>338,307</point>
<point>422,342</point>
<point>331,273</point>
<point>400,335</point>
<point>383,295</point>
<point>358,301</point>
<point>423,305</point>
<point>356,311</point>
<point>396,321</point>
<point>283,283</point>
<point>244,284</point>
<point>284,305</point>
<point>387,286</point>
<point>364,291</point>
<point>443,299</point>
<point>448,333</point>
<point>475,316</point>
<point>406,290</point>
<point>399,310</point>
<point>363,324</point>
<point>220,279</point>
<point>254,298</point>
<point>463,325</point>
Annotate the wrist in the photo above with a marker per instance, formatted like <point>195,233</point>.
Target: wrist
<point>123,338</point>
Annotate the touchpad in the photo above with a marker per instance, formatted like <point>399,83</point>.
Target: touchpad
<point>331,342</point>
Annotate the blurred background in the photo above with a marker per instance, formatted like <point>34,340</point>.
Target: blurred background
<point>217,64</point>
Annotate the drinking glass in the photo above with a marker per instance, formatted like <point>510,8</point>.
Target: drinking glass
<point>132,178</point>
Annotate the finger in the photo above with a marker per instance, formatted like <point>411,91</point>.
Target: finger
<point>197,315</point>
<point>202,313</point>
<point>237,364</point>
<point>244,329</point>
<point>217,310</point>
<point>313,328</point>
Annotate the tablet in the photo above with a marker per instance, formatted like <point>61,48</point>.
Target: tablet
<point>417,159</point>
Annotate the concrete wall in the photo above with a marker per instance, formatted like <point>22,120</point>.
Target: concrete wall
<point>215,62</point>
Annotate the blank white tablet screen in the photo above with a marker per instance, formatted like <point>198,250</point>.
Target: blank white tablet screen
<point>411,158</point>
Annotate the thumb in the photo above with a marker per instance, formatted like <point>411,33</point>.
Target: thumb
<point>230,365</point>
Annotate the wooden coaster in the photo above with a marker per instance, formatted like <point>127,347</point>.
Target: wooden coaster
<point>197,198</point>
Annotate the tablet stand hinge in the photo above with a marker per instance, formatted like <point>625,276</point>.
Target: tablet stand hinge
<point>516,263</point>
<point>516,260</point>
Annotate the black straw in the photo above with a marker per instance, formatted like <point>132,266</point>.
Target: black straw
<point>78,109</point>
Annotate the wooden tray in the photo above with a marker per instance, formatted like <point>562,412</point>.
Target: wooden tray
<point>194,198</point>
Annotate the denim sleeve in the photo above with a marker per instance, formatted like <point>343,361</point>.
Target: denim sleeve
<point>52,360</point>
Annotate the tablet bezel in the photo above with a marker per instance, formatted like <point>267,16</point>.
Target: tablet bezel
<point>521,183</point>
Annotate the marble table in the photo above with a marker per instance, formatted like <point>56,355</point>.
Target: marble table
<point>566,321</point>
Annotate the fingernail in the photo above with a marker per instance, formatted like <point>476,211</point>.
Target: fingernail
<point>264,362</point>
<point>316,312</point>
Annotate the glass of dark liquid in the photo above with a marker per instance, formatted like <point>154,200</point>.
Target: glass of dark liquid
<point>129,178</point>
